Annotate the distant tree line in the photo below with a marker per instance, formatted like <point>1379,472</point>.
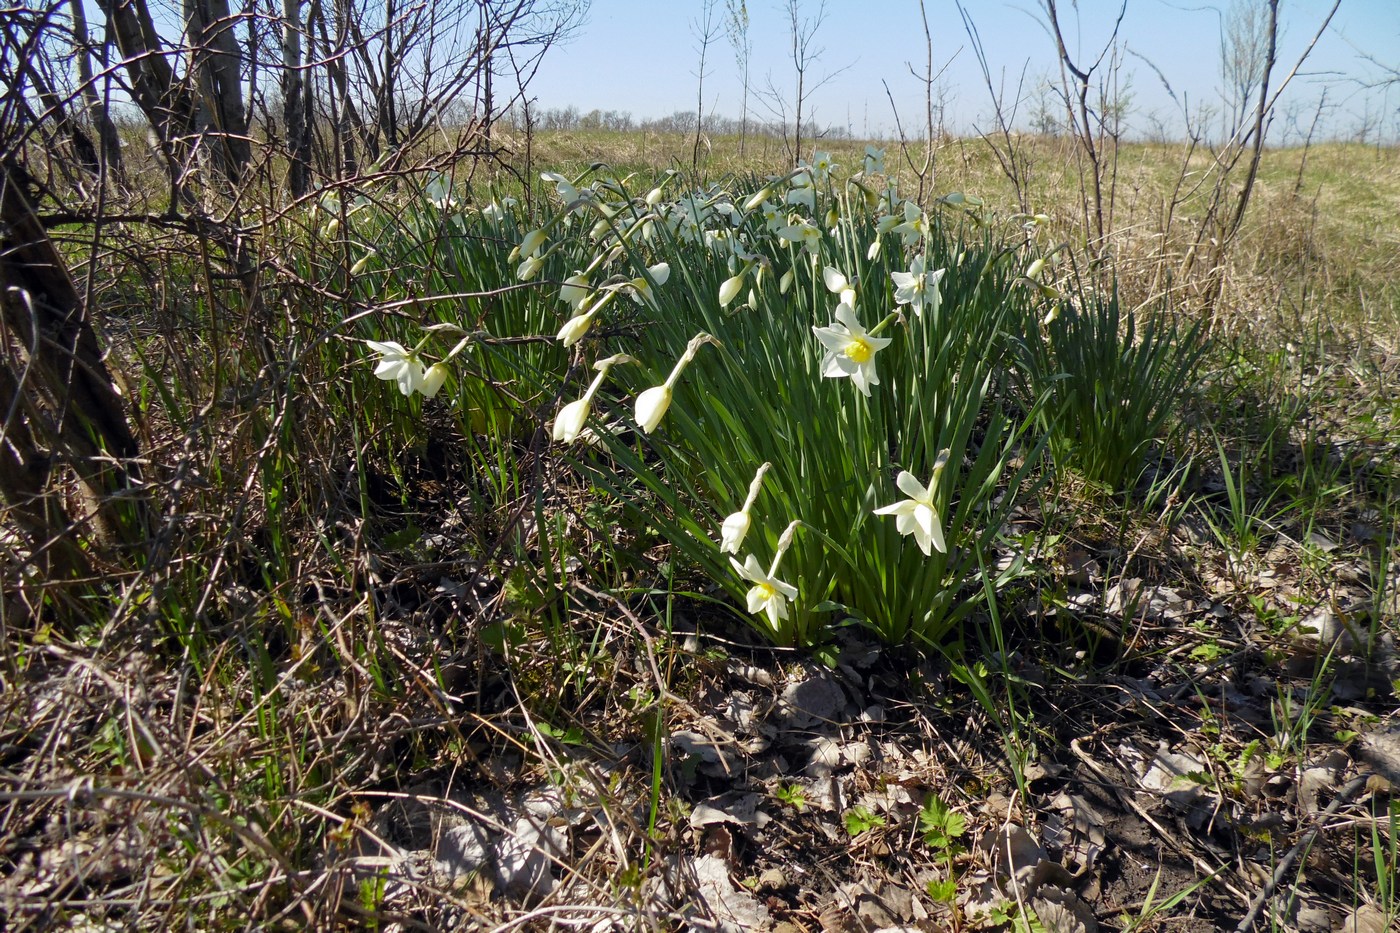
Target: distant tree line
<point>519,117</point>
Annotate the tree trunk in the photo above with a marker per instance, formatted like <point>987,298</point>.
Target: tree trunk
<point>61,406</point>
<point>294,83</point>
<point>167,106</point>
<point>215,62</point>
<point>96,105</point>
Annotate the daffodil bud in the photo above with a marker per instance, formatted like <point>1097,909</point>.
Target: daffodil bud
<point>575,327</point>
<point>654,197</point>
<point>433,379</point>
<point>571,419</point>
<point>761,195</point>
<point>651,407</point>
<point>733,531</point>
<point>785,282</point>
<point>1034,269</point>
<point>360,263</point>
<point>729,290</point>
<point>873,252</point>
<point>529,268</point>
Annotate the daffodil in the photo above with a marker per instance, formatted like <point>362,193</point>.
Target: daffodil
<point>433,379</point>
<point>497,210</point>
<point>837,283</point>
<point>772,216</point>
<point>736,525</point>
<point>567,192</point>
<point>822,166</point>
<point>757,198</point>
<point>729,289</point>
<point>641,286</point>
<point>874,161</point>
<point>1035,276</point>
<point>805,234</point>
<point>917,287</point>
<point>575,327</point>
<point>362,262</point>
<point>915,224</point>
<point>768,595</point>
<point>918,514</point>
<point>850,350</point>
<point>532,243</point>
<point>652,404</point>
<point>439,191</point>
<point>573,416</point>
<point>398,364</point>
<point>529,268</point>
<point>959,199</point>
<point>575,289</point>
<point>804,196</point>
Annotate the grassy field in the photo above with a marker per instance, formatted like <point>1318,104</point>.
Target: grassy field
<point>400,653</point>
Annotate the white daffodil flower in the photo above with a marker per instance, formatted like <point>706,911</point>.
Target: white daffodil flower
<point>736,525</point>
<point>531,244</point>
<point>918,515</point>
<point>439,191</point>
<point>917,287</point>
<point>398,364</point>
<point>874,162</point>
<point>850,351</point>
<point>360,263</point>
<point>959,199</point>
<point>433,379</point>
<point>653,403</point>
<point>498,210</point>
<point>530,268</point>
<point>768,595</point>
<point>805,234</point>
<point>915,225</point>
<point>837,283</point>
<point>822,166</point>
<point>574,290</point>
<point>757,198</point>
<point>772,216</point>
<point>573,416</point>
<point>567,192</point>
<point>575,327</point>
<point>641,288</point>
<point>806,197</point>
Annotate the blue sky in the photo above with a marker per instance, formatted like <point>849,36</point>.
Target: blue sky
<point>641,56</point>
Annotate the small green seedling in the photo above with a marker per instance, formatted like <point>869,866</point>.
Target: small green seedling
<point>861,820</point>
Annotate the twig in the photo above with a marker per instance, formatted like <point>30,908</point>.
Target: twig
<point>1305,843</point>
